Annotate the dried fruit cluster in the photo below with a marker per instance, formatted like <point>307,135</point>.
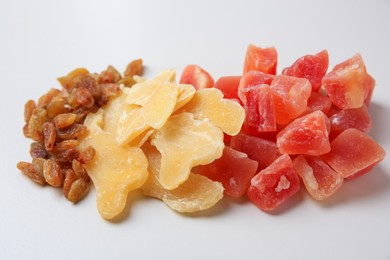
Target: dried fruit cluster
<point>56,121</point>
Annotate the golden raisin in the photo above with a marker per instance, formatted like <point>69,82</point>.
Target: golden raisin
<point>71,132</point>
<point>29,171</point>
<point>134,68</point>
<point>52,173</point>
<point>28,109</point>
<point>64,120</point>
<point>49,135</point>
<point>44,100</point>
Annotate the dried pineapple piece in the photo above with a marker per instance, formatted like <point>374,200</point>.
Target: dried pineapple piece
<point>196,193</point>
<point>157,97</point>
<point>124,121</point>
<point>115,170</point>
<point>184,143</point>
<point>224,113</point>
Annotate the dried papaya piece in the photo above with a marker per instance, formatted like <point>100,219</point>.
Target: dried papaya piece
<point>224,113</point>
<point>195,194</point>
<point>185,142</point>
<point>115,170</point>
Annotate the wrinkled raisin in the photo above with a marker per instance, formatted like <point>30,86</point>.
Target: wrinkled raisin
<point>110,75</point>
<point>71,132</point>
<point>52,173</point>
<point>84,97</point>
<point>37,150</point>
<point>48,97</point>
<point>65,145</point>
<point>29,171</point>
<point>28,109</point>
<point>87,155</point>
<point>78,190</point>
<point>49,134</point>
<point>56,107</point>
<point>70,177</point>
<point>90,84</point>
<point>38,117</point>
<point>64,120</point>
<point>79,170</point>
<point>134,68</point>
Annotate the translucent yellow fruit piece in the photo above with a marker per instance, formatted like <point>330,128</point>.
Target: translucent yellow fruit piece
<point>195,194</point>
<point>186,93</point>
<point>124,121</point>
<point>115,170</point>
<point>224,113</point>
<point>157,97</point>
<point>185,142</point>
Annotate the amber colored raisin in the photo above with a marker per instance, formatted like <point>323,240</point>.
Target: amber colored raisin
<point>72,99</point>
<point>28,109</point>
<point>79,170</point>
<point>110,75</point>
<point>70,177</point>
<point>52,173</point>
<point>134,68</point>
<point>71,132</point>
<point>84,97</point>
<point>64,120</point>
<point>69,81</point>
<point>64,145</point>
<point>38,117</point>
<point>48,97</point>
<point>66,155</point>
<point>29,170</point>
<point>81,113</point>
<point>87,155</point>
<point>38,165</point>
<point>26,132</point>
<point>49,135</point>
<point>37,150</point>
<point>89,83</point>
<point>56,107</point>
<point>78,190</point>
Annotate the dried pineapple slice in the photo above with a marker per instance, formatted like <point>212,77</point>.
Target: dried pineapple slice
<point>157,97</point>
<point>195,194</point>
<point>184,143</point>
<point>124,121</point>
<point>224,113</point>
<point>115,170</point>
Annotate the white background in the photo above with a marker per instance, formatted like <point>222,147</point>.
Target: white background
<point>41,40</point>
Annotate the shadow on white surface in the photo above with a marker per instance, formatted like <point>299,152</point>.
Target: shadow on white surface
<point>133,198</point>
<point>379,118</point>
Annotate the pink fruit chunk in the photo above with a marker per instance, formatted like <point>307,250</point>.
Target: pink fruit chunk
<point>196,76</point>
<point>308,135</point>
<point>290,97</point>
<point>234,170</point>
<point>261,59</point>
<point>263,151</point>
<point>229,86</point>
<point>319,179</point>
<point>353,152</point>
<point>318,101</point>
<point>358,118</point>
<point>275,184</point>
<point>346,83</point>
<point>254,78</point>
<point>259,108</point>
<point>311,67</point>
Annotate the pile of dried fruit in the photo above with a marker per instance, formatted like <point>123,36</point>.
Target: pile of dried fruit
<point>258,134</point>
<point>56,121</point>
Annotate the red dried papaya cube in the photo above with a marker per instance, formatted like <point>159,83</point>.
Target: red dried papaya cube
<point>308,135</point>
<point>234,170</point>
<point>358,118</point>
<point>259,108</point>
<point>311,67</point>
<point>229,86</point>
<point>275,184</point>
<point>264,60</point>
<point>196,76</point>
<point>353,152</point>
<point>319,179</point>
<point>263,151</point>
<point>346,83</point>
<point>254,78</point>
<point>290,97</point>
<point>318,101</point>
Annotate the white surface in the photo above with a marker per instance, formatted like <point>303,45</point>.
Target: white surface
<point>41,40</point>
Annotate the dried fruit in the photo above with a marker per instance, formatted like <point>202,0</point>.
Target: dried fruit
<point>64,120</point>
<point>52,173</point>
<point>49,135</point>
<point>196,193</point>
<point>28,110</point>
<point>134,68</point>
<point>173,141</point>
<point>29,170</point>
